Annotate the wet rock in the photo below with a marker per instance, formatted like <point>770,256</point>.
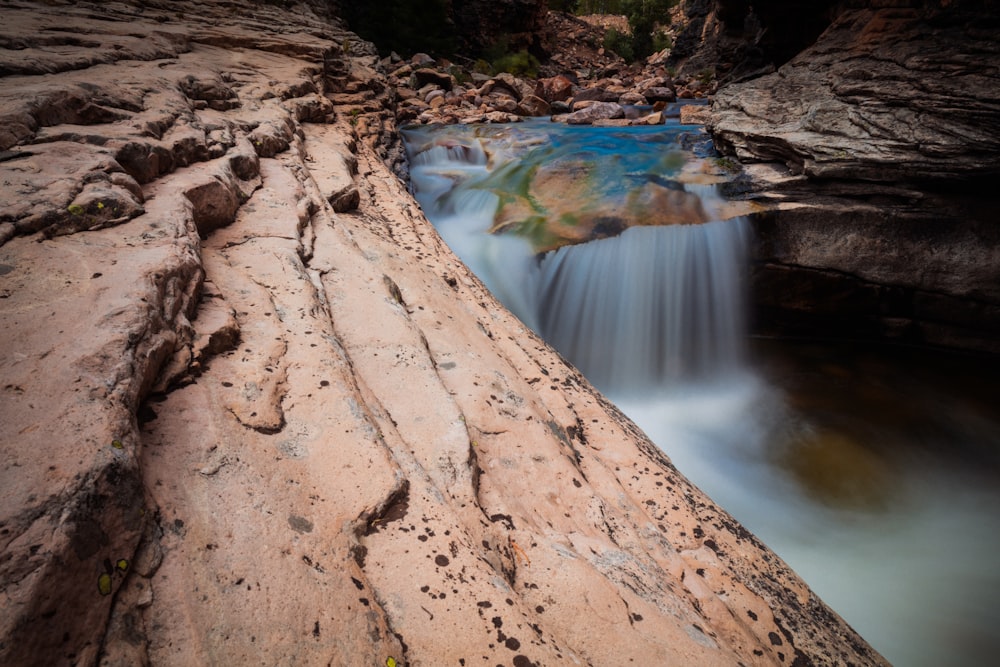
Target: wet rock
<point>593,112</point>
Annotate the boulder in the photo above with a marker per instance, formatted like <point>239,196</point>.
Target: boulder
<point>554,89</point>
<point>633,98</point>
<point>876,185</point>
<point>427,76</point>
<point>594,94</point>
<point>660,94</point>
<point>695,114</point>
<point>531,105</point>
<point>593,112</point>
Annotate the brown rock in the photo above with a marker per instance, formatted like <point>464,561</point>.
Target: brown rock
<point>593,112</point>
<point>867,143</point>
<point>426,76</point>
<point>554,89</point>
<point>531,105</point>
<point>594,94</point>
<point>695,114</point>
<point>661,94</point>
<point>633,98</point>
<point>882,114</point>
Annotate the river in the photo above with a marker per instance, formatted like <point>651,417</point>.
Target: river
<point>872,471</point>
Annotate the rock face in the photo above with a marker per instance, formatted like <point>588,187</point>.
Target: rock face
<point>259,413</point>
<point>883,223</point>
<point>870,102</point>
<point>739,39</point>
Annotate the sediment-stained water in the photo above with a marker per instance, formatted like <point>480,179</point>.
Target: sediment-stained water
<point>873,472</point>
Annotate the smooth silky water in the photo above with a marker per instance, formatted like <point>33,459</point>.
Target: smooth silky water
<point>872,472</point>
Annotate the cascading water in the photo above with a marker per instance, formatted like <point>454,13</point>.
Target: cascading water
<point>631,310</point>
<point>878,487</point>
<point>653,304</point>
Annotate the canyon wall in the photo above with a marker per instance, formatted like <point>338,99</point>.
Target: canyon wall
<point>253,410</point>
<point>874,151</point>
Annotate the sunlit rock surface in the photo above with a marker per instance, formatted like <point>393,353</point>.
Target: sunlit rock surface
<point>258,412</point>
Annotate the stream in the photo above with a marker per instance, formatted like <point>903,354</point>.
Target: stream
<point>873,472</point>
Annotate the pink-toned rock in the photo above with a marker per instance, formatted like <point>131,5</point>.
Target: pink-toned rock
<point>532,105</point>
<point>632,98</point>
<point>246,426</point>
<point>593,112</point>
<point>554,89</point>
<point>695,114</point>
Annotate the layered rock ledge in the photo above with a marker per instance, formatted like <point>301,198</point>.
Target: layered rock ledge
<point>254,411</point>
<point>875,151</point>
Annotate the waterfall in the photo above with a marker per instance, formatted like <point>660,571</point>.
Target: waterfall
<point>649,305</point>
<point>635,274</point>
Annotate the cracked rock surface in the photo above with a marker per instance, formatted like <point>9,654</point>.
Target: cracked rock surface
<point>252,410</point>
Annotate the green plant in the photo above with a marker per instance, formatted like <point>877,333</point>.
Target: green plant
<point>461,76</point>
<point>521,64</point>
<point>643,17</point>
<point>727,164</point>
<point>620,43</point>
<point>568,6</point>
<point>661,41</point>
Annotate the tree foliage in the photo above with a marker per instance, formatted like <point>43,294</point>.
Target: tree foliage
<point>643,18</point>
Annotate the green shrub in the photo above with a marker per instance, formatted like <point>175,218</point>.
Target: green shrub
<point>620,43</point>
<point>661,41</point>
<point>521,64</point>
<point>568,6</point>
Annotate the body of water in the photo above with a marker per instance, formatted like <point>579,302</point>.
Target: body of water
<point>873,472</point>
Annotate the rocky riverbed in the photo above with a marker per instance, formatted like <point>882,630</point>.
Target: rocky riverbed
<point>253,409</point>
